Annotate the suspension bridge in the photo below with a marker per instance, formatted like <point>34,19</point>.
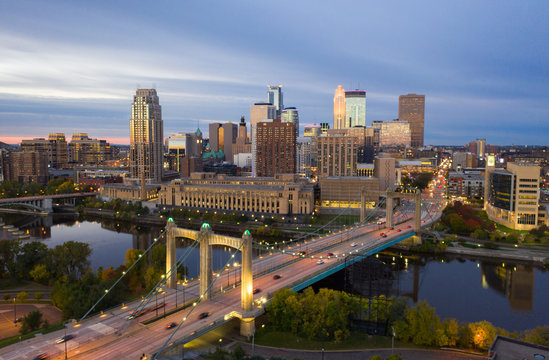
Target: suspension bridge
<point>198,306</point>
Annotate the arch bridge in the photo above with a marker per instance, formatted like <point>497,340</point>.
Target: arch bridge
<point>208,239</point>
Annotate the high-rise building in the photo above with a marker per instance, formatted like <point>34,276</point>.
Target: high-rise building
<point>291,115</point>
<point>259,112</point>
<point>55,149</point>
<point>393,133</point>
<point>313,131</point>
<point>481,148</point>
<point>384,170</point>
<point>86,151</point>
<point>182,145</point>
<point>242,143</point>
<point>222,137</point>
<point>25,166</point>
<point>339,108</point>
<point>355,108</point>
<point>275,148</point>
<point>146,136</point>
<point>411,108</point>
<point>274,97</point>
<point>304,151</point>
<point>512,195</point>
<point>337,155</point>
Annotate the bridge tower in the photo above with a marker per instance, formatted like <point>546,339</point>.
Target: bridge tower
<point>389,204</point>
<point>207,239</point>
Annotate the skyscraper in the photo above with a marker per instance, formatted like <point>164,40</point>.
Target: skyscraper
<point>355,108</point>
<point>274,97</point>
<point>275,148</point>
<point>222,137</point>
<point>411,108</point>
<point>259,112</point>
<point>339,108</point>
<point>146,136</point>
<point>291,114</point>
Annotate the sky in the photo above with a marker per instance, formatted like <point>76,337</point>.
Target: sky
<point>72,66</point>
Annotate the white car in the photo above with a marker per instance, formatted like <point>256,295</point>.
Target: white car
<point>354,244</point>
<point>320,262</point>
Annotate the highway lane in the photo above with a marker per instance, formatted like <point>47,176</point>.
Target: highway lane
<point>96,337</point>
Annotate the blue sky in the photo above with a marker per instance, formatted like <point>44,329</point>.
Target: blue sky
<point>68,66</point>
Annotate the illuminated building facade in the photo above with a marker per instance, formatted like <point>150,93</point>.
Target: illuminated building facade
<point>337,155</point>
<point>259,112</point>
<point>355,108</point>
<point>55,148</point>
<point>291,115</point>
<point>411,108</point>
<point>86,151</point>
<point>339,108</point>
<point>146,136</point>
<point>394,133</point>
<point>276,144</point>
<point>282,195</point>
<point>513,195</point>
<point>222,137</point>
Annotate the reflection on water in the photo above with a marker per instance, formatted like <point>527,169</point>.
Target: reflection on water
<point>512,296</point>
<point>516,282</point>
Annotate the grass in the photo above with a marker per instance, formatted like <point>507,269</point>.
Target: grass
<point>17,338</point>
<point>357,340</point>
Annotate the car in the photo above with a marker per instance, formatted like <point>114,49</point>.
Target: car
<point>170,325</point>
<point>330,254</point>
<point>64,338</point>
<point>41,357</point>
<point>302,253</point>
<point>391,228</point>
<point>409,226</point>
<point>354,244</point>
<point>256,291</point>
<point>398,230</point>
<point>381,234</point>
<point>320,262</point>
<point>19,319</point>
<point>276,277</point>
<point>384,235</point>
<point>203,315</point>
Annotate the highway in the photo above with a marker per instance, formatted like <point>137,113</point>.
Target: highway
<point>97,338</point>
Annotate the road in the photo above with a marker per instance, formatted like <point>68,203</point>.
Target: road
<point>98,338</point>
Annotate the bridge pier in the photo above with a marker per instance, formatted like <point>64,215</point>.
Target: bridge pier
<point>205,261</point>
<point>247,327</point>
<point>417,217</point>
<point>171,282</point>
<point>389,210</point>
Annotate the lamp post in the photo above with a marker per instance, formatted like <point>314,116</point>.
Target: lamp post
<point>14,312</point>
<point>393,341</point>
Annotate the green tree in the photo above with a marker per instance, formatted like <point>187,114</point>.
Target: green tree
<point>152,277</point>
<point>32,321</point>
<point>394,357</point>
<point>31,254</point>
<point>451,330</point>
<point>40,274</point>
<point>456,223</point>
<point>22,296</point>
<point>7,297</point>
<point>420,325</point>
<point>71,259</point>
<point>422,180</point>
<point>238,353</point>
<point>158,256</point>
<point>38,296</point>
<point>375,357</point>
<point>538,335</point>
<point>9,249</point>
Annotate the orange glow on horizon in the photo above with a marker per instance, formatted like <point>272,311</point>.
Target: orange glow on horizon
<point>17,139</point>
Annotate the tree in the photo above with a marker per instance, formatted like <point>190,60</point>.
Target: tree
<point>32,254</point>
<point>7,297</point>
<point>71,259</point>
<point>457,223</point>
<point>538,335</point>
<point>483,333</point>
<point>38,296</point>
<point>32,321</point>
<point>394,357</point>
<point>420,325</point>
<point>422,180</point>
<point>40,274</point>
<point>8,253</point>
<point>152,277</point>
<point>375,357</point>
<point>451,330</point>
<point>22,296</point>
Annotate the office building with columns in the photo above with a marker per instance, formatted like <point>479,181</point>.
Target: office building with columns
<point>337,155</point>
<point>282,195</point>
<point>275,149</point>
<point>339,108</point>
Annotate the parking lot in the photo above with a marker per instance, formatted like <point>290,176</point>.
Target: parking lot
<point>8,328</point>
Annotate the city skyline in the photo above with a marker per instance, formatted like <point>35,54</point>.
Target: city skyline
<point>72,67</point>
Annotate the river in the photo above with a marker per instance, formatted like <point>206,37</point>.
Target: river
<point>512,296</point>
